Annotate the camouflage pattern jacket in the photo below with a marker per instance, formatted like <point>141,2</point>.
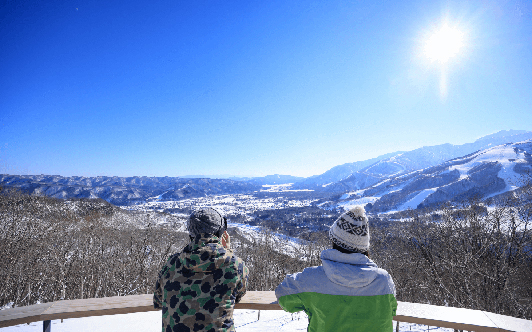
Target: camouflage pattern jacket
<point>198,288</point>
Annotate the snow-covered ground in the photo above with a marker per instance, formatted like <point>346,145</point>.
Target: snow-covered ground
<point>279,188</point>
<point>359,201</point>
<point>416,200</point>
<point>245,321</point>
<point>239,204</point>
<point>506,155</point>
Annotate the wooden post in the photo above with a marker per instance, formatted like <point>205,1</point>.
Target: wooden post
<point>46,326</point>
<point>397,327</point>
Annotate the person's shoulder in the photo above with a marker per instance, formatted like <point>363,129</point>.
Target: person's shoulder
<point>384,280</point>
<point>229,254</point>
<point>172,264</point>
<point>383,273</point>
<point>174,259</point>
<point>308,280</point>
<point>311,273</point>
<point>236,261</point>
<point>312,270</point>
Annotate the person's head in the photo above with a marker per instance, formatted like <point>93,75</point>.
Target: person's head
<point>350,232</point>
<point>206,221</point>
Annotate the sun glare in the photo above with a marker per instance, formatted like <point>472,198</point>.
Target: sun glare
<point>444,44</point>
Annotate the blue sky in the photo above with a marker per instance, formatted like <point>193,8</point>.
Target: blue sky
<point>251,88</point>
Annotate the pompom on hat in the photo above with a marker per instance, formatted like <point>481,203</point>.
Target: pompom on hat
<point>206,221</point>
<point>351,231</point>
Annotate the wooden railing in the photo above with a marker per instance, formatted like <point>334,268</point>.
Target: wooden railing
<point>455,318</point>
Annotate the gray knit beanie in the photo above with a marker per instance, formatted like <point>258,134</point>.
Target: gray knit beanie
<point>206,221</point>
<point>350,231</point>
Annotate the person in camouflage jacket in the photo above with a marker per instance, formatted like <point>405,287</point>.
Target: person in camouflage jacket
<point>198,287</point>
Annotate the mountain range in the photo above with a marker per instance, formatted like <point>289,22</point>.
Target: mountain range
<point>362,174</point>
<point>124,190</point>
<point>419,178</point>
<point>484,174</point>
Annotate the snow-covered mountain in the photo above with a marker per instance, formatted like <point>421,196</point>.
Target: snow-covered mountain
<point>124,190</point>
<point>339,173</point>
<point>483,174</point>
<point>382,180</point>
<point>361,174</point>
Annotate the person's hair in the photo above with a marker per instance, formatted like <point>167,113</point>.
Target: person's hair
<point>345,251</point>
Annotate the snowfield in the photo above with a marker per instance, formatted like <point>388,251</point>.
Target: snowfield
<point>279,188</point>
<point>359,201</point>
<point>236,204</point>
<point>416,200</point>
<point>506,156</point>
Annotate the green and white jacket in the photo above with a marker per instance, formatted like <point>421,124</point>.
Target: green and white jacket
<point>348,293</point>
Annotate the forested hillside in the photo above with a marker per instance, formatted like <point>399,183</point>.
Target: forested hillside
<point>470,256</point>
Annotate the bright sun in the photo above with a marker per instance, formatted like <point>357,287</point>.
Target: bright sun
<point>444,44</point>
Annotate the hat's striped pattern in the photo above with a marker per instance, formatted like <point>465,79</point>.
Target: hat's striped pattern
<point>351,230</point>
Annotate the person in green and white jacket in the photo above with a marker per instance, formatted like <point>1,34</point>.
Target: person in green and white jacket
<point>348,292</point>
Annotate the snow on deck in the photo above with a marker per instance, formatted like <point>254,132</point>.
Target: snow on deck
<point>245,321</point>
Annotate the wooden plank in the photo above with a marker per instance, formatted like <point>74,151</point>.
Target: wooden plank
<point>455,318</point>
<point>259,300</point>
<point>23,315</point>
<point>99,306</point>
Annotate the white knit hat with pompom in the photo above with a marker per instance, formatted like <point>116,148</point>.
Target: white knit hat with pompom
<point>350,231</point>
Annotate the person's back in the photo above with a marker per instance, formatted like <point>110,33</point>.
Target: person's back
<point>348,292</point>
<point>198,288</point>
